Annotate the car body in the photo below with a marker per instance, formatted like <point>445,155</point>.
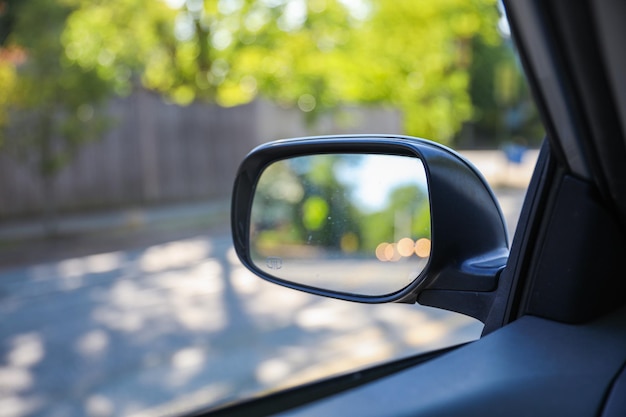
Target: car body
<point>554,341</point>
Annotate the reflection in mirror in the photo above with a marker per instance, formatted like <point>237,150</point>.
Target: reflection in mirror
<point>352,223</point>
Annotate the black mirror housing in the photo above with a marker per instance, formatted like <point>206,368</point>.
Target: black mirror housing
<point>469,242</point>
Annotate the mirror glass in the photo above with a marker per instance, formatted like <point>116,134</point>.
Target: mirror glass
<point>352,223</point>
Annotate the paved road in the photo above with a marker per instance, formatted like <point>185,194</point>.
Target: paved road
<point>180,325</point>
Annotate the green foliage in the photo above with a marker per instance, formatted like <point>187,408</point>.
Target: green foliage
<point>409,203</point>
<point>314,213</point>
<point>438,62</point>
<point>416,56</point>
<point>120,39</point>
<point>315,54</point>
<point>503,108</point>
<point>7,19</point>
<point>49,106</point>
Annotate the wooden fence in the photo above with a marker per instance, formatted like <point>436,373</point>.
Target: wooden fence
<point>158,152</point>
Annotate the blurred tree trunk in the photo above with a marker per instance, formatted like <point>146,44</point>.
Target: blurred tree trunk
<point>49,206</point>
<point>47,170</point>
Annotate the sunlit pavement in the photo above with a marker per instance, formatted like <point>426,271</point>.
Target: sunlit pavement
<point>182,325</point>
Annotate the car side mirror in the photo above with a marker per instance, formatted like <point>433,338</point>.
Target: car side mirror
<point>370,219</point>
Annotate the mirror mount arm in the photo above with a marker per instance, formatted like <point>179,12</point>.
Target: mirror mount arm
<point>476,304</point>
<point>478,274</point>
<point>471,303</point>
<point>469,289</point>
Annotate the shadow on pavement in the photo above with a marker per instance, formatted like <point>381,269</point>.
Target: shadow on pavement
<point>176,326</point>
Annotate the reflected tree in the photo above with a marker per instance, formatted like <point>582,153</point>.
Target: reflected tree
<point>327,213</point>
<point>406,214</point>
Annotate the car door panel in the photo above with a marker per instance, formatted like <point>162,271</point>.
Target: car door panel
<point>532,367</point>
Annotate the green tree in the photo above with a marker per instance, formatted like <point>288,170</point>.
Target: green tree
<point>415,56</point>
<point>327,213</point>
<point>224,51</point>
<point>315,54</point>
<point>503,108</point>
<point>407,211</point>
<point>49,106</point>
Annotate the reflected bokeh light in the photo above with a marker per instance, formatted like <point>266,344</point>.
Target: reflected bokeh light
<point>422,248</point>
<point>404,248</point>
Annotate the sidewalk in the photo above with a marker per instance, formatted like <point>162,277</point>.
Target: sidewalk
<point>133,218</point>
<point>24,242</point>
<point>499,172</point>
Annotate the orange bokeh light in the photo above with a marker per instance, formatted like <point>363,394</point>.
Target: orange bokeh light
<point>390,252</point>
<point>422,248</point>
<point>380,252</point>
<point>405,247</point>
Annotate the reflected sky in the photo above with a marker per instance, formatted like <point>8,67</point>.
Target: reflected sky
<point>373,178</point>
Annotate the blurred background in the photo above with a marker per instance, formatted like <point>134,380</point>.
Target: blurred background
<point>122,124</point>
